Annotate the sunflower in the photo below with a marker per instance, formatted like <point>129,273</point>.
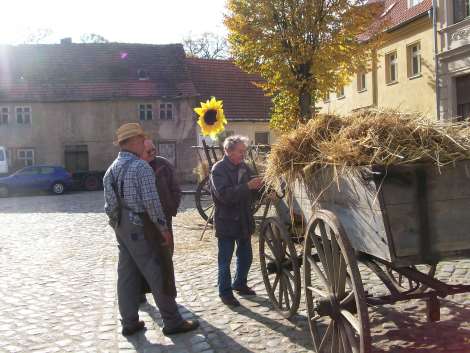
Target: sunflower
<point>211,117</point>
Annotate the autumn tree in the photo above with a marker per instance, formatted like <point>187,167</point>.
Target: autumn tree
<point>206,46</point>
<point>302,48</point>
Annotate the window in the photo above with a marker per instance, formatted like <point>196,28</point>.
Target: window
<point>29,171</point>
<point>461,10</point>
<point>462,87</point>
<point>168,150</point>
<point>4,115</point>
<point>166,111</point>
<point>391,67</point>
<point>414,59</point>
<point>23,115</point>
<point>261,138</point>
<point>26,156</point>
<point>412,3</point>
<point>361,82</point>
<point>145,112</point>
<point>2,156</point>
<point>340,93</point>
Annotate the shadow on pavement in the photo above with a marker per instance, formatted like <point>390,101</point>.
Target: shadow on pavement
<point>215,339</point>
<point>419,336</point>
<point>299,334</point>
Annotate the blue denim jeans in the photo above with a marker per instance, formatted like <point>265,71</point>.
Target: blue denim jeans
<point>244,258</point>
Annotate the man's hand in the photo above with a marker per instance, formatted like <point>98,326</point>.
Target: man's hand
<point>168,238</point>
<point>255,183</point>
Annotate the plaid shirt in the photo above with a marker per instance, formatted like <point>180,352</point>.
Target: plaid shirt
<point>140,191</point>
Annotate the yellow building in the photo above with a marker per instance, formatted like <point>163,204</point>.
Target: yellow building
<point>401,74</point>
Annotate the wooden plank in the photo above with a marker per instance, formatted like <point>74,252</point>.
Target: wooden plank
<point>363,225</point>
<point>447,205</point>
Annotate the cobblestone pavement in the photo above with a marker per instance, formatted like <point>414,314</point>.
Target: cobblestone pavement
<point>57,292</point>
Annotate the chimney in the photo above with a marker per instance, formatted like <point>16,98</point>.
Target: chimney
<point>67,40</point>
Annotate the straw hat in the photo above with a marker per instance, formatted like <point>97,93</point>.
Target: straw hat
<point>127,131</point>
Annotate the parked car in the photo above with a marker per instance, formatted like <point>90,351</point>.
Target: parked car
<point>37,178</point>
<point>3,161</point>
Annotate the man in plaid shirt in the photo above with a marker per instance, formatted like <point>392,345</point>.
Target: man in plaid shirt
<point>129,192</point>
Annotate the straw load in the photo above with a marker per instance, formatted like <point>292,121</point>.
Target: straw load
<point>368,138</point>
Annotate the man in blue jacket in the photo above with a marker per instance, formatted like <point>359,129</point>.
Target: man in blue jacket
<point>234,189</point>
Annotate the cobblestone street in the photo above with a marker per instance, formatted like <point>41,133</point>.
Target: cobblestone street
<point>58,263</point>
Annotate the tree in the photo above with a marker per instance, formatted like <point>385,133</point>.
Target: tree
<point>302,48</point>
<point>207,46</point>
<point>37,36</point>
<point>93,38</point>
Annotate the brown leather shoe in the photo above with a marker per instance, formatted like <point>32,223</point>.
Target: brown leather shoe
<point>244,290</point>
<point>230,300</point>
<point>131,329</point>
<point>186,326</point>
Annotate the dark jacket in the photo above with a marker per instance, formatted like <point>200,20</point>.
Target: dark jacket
<point>168,188</point>
<point>233,200</point>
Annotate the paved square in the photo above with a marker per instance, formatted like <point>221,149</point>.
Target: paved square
<point>58,263</point>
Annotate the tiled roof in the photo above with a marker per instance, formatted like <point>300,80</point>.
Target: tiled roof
<point>400,13</point>
<point>75,72</point>
<point>224,80</point>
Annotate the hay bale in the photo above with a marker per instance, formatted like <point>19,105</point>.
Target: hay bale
<point>371,137</point>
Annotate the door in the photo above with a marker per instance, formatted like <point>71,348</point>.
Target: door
<point>26,179</point>
<point>76,158</point>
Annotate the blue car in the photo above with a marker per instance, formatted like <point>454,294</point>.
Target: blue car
<point>37,178</point>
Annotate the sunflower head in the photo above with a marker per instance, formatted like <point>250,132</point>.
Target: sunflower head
<point>211,117</point>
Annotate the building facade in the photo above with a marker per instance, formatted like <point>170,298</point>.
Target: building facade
<point>453,28</point>
<point>61,104</point>
<point>401,74</point>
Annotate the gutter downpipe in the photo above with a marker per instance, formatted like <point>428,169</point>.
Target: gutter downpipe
<point>436,59</point>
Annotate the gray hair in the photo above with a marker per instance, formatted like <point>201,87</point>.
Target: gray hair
<point>231,141</point>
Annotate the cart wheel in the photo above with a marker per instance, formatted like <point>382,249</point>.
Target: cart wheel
<point>336,303</point>
<point>406,285</point>
<point>204,202</point>
<point>280,267</point>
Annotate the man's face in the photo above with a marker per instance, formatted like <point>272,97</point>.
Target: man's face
<point>237,154</point>
<point>149,151</point>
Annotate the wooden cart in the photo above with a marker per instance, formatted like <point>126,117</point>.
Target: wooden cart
<point>397,222</point>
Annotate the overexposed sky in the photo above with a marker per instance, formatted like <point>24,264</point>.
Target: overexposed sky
<point>134,21</point>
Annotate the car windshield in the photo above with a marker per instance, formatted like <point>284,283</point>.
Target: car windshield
<point>2,156</point>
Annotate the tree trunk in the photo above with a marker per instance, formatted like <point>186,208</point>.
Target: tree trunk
<point>305,105</point>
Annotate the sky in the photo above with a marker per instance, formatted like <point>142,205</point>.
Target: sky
<point>132,21</point>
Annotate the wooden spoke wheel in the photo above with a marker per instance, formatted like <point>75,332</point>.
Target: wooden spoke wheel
<point>204,202</point>
<point>336,303</point>
<point>406,285</point>
<point>280,267</point>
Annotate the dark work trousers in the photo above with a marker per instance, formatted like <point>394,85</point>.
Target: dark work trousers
<point>135,258</point>
<point>244,258</point>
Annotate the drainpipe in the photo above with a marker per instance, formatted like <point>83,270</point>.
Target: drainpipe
<point>436,59</point>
